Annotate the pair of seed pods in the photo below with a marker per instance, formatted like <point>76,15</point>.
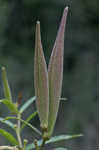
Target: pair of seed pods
<point>48,82</point>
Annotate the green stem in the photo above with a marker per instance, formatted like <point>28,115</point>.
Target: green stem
<point>36,144</point>
<point>8,148</point>
<point>18,130</point>
<point>42,145</point>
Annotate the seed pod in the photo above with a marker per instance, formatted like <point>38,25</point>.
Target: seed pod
<point>41,80</point>
<point>55,74</point>
<point>7,92</point>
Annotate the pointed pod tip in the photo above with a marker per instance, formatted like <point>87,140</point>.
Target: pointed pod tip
<point>38,29</point>
<point>66,9</point>
<point>38,23</point>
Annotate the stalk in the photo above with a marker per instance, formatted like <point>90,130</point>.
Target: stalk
<point>8,148</point>
<point>18,130</point>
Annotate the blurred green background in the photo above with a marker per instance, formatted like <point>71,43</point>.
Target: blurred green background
<point>80,114</point>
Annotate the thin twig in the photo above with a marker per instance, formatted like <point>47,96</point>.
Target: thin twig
<point>42,145</point>
<point>8,148</point>
<point>18,131</point>
<point>36,144</point>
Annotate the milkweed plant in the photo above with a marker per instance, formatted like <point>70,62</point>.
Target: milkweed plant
<point>48,87</point>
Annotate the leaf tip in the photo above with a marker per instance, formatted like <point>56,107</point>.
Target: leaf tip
<point>3,68</point>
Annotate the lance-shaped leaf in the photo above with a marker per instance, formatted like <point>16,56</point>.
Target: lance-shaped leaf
<point>11,106</point>
<point>7,92</point>
<point>9,137</point>
<point>55,74</point>
<point>54,139</point>
<point>41,80</point>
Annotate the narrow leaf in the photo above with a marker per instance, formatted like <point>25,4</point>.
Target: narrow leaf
<point>28,119</point>
<point>32,146</point>
<point>41,80</point>
<point>27,104</point>
<point>28,124</point>
<point>60,148</point>
<point>12,107</point>
<point>55,74</point>
<point>7,92</point>
<point>7,122</point>
<point>53,140</point>
<point>63,137</point>
<point>9,137</point>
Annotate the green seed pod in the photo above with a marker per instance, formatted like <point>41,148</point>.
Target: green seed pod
<point>7,92</point>
<point>41,80</point>
<point>55,74</point>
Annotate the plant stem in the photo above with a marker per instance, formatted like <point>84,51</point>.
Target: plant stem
<point>36,144</point>
<point>8,147</point>
<point>18,130</point>
<point>42,145</point>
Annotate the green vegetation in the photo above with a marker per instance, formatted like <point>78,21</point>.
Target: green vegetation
<point>48,87</point>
